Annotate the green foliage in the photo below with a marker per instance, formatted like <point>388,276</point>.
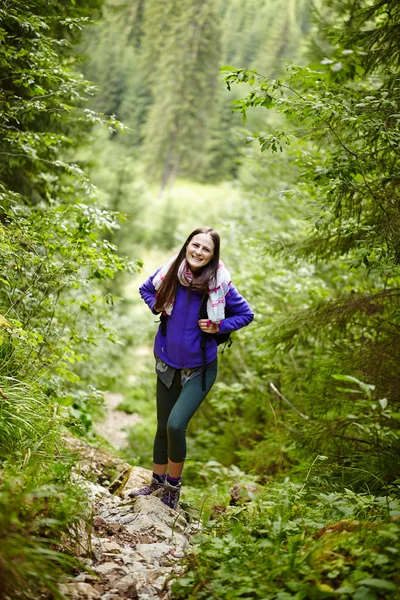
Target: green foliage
<point>183,80</point>
<point>289,543</point>
<point>263,34</point>
<point>113,62</point>
<point>55,260</point>
<point>363,436</point>
<point>37,504</point>
<point>38,501</point>
<point>38,96</point>
<point>329,303</point>
<point>140,401</point>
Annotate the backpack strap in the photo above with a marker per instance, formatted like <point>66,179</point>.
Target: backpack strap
<point>163,324</point>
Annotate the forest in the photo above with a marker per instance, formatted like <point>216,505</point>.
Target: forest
<point>126,125</point>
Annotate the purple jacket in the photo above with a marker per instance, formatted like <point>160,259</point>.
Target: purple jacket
<point>180,348</point>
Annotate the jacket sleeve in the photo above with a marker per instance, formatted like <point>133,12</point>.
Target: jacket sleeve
<point>148,292</point>
<point>237,310</point>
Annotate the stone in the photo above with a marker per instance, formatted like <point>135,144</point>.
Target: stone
<point>127,519</point>
<point>127,585</point>
<point>159,583</point>
<point>114,527</point>
<point>153,551</point>
<point>111,547</point>
<point>79,591</point>
<point>144,538</point>
<point>148,594</point>
<point>153,575</point>
<point>156,519</point>
<point>98,522</point>
<point>89,578</point>
<point>96,553</point>
<point>94,490</point>
<point>127,559</point>
<point>138,478</point>
<point>112,556</point>
<point>107,567</point>
<point>136,543</point>
<point>137,567</point>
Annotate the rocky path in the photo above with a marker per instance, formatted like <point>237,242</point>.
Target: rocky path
<point>133,546</point>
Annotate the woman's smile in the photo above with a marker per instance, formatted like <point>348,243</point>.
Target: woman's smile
<point>199,251</point>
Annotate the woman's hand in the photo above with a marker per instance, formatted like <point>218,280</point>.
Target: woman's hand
<point>207,326</point>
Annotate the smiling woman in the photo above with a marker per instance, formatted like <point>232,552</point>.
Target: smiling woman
<point>185,352</point>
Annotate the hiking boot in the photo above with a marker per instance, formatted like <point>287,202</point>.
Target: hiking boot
<point>153,486</point>
<point>171,495</point>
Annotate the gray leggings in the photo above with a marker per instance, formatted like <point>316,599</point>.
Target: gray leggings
<point>175,407</point>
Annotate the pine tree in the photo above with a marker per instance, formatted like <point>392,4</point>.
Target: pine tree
<point>181,43</point>
<point>113,49</point>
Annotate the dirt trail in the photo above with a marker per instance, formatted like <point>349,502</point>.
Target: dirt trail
<point>116,424</point>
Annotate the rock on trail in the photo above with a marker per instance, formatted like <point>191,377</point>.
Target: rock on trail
<point>134,545</point>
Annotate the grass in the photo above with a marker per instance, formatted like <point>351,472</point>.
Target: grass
<point>39,504</point>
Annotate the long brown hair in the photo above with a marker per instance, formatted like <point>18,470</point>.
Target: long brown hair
<point>167,291</point>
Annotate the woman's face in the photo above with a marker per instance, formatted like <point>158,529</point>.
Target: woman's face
<point>199,251</point>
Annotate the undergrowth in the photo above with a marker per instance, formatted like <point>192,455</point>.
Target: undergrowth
<point>39,529</point>
<point>41,508</point>
<point>294,541</point>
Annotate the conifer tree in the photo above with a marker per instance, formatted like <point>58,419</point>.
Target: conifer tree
<point>113,63</point>
<point>181,44</point>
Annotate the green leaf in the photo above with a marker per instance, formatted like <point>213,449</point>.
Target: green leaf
<point>4,323</point>
<point>381,584</point>
<point>364,593</point>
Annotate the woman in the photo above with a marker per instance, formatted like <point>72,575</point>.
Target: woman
<point>185,347</point>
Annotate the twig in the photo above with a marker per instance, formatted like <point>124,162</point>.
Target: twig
<point>278,393</point>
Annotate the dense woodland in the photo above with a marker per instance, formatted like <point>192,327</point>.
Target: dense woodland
<point>124,125</point>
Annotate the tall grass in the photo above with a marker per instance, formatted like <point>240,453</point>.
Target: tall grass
<point>38,503</point>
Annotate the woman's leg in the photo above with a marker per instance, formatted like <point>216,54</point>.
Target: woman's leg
<point>166,399</point>
<point>189,400</point>
<point>175,469</point>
